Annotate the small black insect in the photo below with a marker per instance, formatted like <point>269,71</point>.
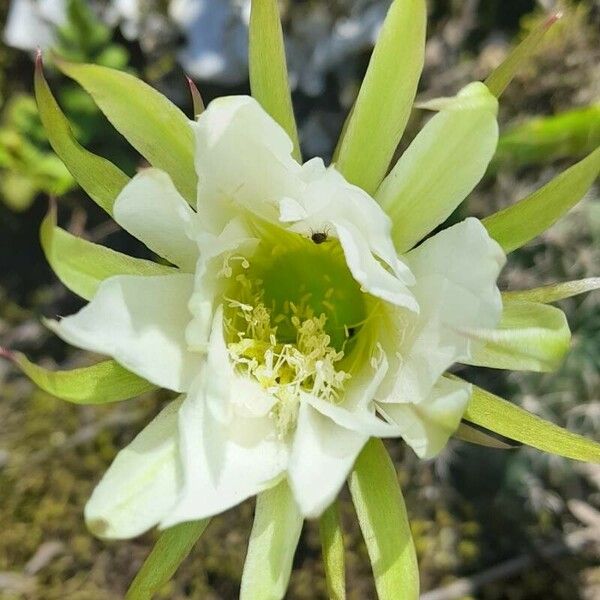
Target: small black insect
<point>318,237</point>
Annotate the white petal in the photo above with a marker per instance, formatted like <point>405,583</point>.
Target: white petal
<point>140,322</point>
<point>367,270</point>
<point>227,455</point>
<point>142,483</point>
<point>456,273</point>
<point>323,454</point>
<point>356,411</point>
<point>243,159</point>
<point>151,209</point>
<point>426,426</point>
<point>208,285</point>
<point>331,204</point>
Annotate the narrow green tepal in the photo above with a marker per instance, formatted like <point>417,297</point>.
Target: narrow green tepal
<point>152,124</point>
<point>507,419</point>
<point>170,550</point>
<point>531,336</point>
<point>521,222</point>
<point>268,69</point>
<point>499,79</point>
<point>101,383</point>
<point>82,266</point>
<point>273,540</point>
<point>332,546</point>
<point>384,523</point>
<point>380,113</point>
<point>98,177</point>
<point>554,292</point>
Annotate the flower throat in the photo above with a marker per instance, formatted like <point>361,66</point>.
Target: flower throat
<point>292,316</point>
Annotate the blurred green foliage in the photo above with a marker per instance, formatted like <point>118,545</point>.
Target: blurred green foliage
<point>28,166</point>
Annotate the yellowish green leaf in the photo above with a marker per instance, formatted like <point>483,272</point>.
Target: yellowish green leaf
<point>521,222</point>
<point>273,541</point>
<point>530,337</point>
<point>268,70</point>
<point>380,113</point>
<point>507,419</point>
<point>332,545</point>
<point>101,383</point>
<point>384,523</point>
<point>442,165</point>
<point>99,178</point>
<point>554,292</point>
<point>502,75</point>
<point>152,124</point>
<point>170,550</point>
<point>82,266</point>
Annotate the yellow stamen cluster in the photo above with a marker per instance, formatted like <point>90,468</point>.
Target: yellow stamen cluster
<point>285,368</point>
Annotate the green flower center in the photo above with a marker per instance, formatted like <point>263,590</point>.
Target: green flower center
<point>293,315</point>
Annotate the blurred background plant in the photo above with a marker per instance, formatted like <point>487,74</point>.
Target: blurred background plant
<point>499,524</point>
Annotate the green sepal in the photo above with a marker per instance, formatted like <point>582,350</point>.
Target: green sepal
<point>170,550</point>
<point>273,540</point>
<point>332,547</point>
<point>519,223</point>
<point>98,177</point>
<point>269,80</point>
<point>530,337</point>
<point>378,118</point>
<point>502,75</point>
<point>554,292</point>
<point>151,123</point>
<point>509,420</point>
<point>457,145</point>
<point>101,383</point>
<point>384,523</point>
<point>82,266</point>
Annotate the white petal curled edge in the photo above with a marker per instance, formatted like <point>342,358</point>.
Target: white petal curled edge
<point>329,203</point>
<point>140,322</point>
<point>151,209</point>
<point>228,454</point>
<point>323,453</point>
<point>243,160</point>
<point>456,273</point>
<point>427,425</point>
<point>142,483</point>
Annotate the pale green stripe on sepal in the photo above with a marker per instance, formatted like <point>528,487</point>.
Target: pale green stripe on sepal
<point>269,81</point>
<point>98,177</point>
<point>151,123</point>
<point>530,337</point>
<point>273,541</point>
<point>554,292</point>
<point>101,383</point>
<point>384,523</point>
<point>82,266</point>
<point>507,419</point>
<point>332,546</point>
<point>170,550</point>
<point>502,75</point>
<point>519,223</point>
<point>378,118</point>
<point>442,165</point>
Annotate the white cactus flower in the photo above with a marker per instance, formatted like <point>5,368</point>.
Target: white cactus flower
<point>293,330</point>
